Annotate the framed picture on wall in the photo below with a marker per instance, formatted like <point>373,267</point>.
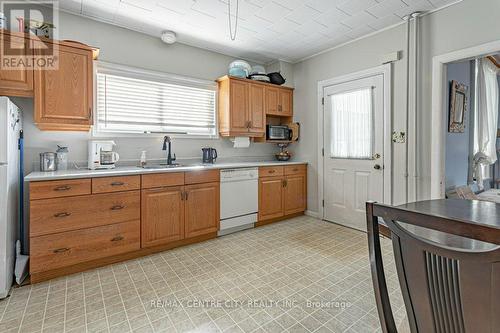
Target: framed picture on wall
<point>458,107</point>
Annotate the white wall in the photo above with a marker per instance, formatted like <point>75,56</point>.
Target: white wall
<point>118,45</point>
<point>466,24</point>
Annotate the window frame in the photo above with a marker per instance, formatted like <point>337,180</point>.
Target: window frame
<point>145,74</point>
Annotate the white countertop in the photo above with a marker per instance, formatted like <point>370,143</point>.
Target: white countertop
<point>135,170</point>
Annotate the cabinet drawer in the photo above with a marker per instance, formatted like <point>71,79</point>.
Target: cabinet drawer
<point>271,171</point>
<point>163,179</point>
<point>74,247</point>
<point>59,188</point>
<point>116,184</point>
<point>63,214</point>
<point>206,176</point>
<point>295,169</point>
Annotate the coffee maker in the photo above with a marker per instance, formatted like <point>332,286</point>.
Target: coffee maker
<point>101,155</point>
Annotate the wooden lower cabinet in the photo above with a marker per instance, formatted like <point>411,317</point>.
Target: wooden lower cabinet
<point>202,209</point>
<point>270,198</point>
<point>282,191</point>
<point>73,247</point>
<point>162,215</point>
<point>294,194</point>
<point>171,214</point>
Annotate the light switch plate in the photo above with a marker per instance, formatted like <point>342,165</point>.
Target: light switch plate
<point>398,137</point>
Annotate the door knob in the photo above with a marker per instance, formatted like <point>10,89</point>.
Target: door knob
<point>377,167</point>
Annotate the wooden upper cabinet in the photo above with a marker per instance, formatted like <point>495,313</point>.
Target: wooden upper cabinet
<point>270,198</point>
<point>18,81</point>
<point>238,107</point>
<point>256,109</point>
<point>295,194</point>
<point>285,102</point>
<point>162,216</point>
<point>63,96</point>
<point>202,209</point>
<point>272,100</point>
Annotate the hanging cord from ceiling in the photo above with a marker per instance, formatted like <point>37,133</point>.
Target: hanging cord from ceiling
<point>233,35</point>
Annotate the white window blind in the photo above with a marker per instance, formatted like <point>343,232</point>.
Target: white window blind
<point>127,103</point>
<point>352,124</point>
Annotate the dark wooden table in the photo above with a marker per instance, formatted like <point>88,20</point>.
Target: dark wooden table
<point>475,219</point>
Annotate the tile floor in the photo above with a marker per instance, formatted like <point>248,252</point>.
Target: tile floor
<point>299,275</point>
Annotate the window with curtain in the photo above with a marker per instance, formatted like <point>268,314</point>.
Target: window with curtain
<point>135,101</point>
<point>352,124</point>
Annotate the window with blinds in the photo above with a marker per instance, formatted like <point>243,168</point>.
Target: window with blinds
<point>130,103</point>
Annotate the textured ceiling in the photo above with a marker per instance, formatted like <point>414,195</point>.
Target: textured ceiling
<point>288,30</point>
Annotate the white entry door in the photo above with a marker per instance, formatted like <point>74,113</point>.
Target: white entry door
<point>353,148</point>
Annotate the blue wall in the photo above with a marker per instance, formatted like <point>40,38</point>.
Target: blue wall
<point>457,144</point>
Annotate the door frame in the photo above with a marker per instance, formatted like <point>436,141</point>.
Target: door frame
<point>439,112</point>
<point>385,71</point>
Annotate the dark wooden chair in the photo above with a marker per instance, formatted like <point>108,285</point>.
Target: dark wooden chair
<point>448,263</point>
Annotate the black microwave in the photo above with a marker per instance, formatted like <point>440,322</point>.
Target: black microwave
<point>278,132</point>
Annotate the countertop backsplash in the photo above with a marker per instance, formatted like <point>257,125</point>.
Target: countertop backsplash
<point>129,148</point>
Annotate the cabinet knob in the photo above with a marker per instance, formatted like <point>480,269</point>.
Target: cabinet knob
<point>62,188</point>
<point>64,214</point>
<point>377,167</point>
<point>61,250</point>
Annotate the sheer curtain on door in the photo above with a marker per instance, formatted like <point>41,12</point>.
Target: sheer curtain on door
<point>352,124</point>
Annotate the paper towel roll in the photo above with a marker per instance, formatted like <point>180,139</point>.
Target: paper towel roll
<point>241,142</point>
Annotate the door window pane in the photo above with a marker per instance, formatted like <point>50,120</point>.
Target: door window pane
<point>352,124</point>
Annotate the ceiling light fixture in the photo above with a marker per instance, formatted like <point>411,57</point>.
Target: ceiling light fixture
<point>233,36</point>
<point>168,37</point>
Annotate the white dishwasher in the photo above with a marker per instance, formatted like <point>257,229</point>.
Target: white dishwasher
<point>239,196</point>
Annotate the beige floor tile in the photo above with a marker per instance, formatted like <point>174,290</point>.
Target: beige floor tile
<point>317,274</point>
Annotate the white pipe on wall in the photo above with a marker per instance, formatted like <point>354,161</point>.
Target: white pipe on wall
<point>407,51</point>
<point>412,106</point>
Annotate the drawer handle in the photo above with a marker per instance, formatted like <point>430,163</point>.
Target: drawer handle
<point>295,169</point>
<point>117,207</point>
<point>61,250</point>
<point>117,238</point>
<point>65,214</point>
<point>62,188</point>
<point>117,183</point>
<point>272,171</point>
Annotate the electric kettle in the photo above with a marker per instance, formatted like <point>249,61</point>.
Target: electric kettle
<point>209,155</point>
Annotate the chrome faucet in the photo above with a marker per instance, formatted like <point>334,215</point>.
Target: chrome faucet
<point>170,159</point>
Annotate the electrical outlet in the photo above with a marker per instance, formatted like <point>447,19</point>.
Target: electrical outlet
<point>398,137</point>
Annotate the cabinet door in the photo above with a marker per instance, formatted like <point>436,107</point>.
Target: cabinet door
<point>272,100</point>
<point>295,194</point>
<point>256,113</point>
<point>19,81</point>
<point>286,102</point>
<point>202,209</point>
<point>239,106</point>
<point>270,198</point>
<point>63,97</point>
<point>162,216</point>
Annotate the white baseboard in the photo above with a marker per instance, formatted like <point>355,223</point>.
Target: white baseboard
<point>312,213</point>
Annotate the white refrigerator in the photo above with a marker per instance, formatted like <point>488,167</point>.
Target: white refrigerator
<point>10,125</point>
